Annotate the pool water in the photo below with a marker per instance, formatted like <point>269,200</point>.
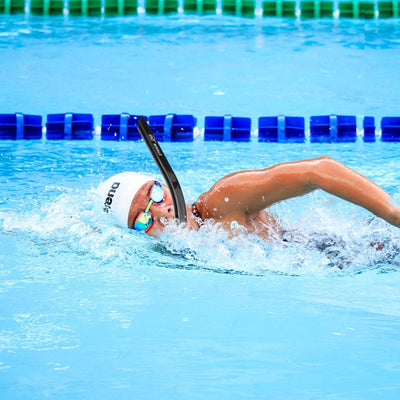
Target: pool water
<point>201,66</point>
<point>92,311</point>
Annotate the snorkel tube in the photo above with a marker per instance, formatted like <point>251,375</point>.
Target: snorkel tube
<point>165,168</point>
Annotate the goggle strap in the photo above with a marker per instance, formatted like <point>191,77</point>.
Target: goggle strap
<point>149,205</point>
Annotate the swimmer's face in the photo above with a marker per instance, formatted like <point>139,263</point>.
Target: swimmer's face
<point>162,212</point>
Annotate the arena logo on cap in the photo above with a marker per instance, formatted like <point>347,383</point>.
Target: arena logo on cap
<point>109,198</point>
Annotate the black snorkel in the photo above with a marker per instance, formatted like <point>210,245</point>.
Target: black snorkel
<point>166,170</point>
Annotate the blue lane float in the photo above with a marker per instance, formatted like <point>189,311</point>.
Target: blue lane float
<point>120,127</point>
<point>390,129</point>
<point>180,128</point>
<point>20,126</point>
<point>333,128</point>
<point>369,129</point>
<point>281,129</point>
<point>227,128</point>
<point>173,127</point>
<point>69,126</point>
<point>166,128</point>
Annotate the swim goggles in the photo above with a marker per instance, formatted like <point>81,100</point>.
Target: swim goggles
<point>144,220</point>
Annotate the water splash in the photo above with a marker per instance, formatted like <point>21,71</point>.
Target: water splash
<point>321,240</point>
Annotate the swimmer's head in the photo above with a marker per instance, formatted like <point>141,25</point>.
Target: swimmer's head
<point>118,192</point>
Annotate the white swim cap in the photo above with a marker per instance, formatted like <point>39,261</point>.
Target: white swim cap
<point>118,192</point>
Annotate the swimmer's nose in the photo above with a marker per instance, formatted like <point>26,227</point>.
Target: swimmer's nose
<point>168,211</point>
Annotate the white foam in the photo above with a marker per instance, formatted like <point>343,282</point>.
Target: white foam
<point>73,223</point>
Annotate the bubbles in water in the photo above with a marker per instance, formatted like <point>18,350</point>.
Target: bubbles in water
<point>319,239</point>
<point>234,225</point>
<point>74,222</point>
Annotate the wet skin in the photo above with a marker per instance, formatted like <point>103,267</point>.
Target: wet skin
<point>245,196</point>
<point>260,224</point>
<point>162,212</point>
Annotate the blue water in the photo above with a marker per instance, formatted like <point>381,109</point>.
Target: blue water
<point>201,66</point>
<point>91,311</point>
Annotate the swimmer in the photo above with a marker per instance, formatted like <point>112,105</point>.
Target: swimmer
<point>140,202</point>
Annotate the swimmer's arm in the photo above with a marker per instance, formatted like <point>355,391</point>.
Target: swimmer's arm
<point>246,193</point>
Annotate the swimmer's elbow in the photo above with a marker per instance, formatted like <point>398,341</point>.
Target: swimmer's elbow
<point>323,162</point>
<point>320,170</point>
